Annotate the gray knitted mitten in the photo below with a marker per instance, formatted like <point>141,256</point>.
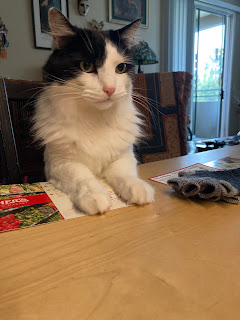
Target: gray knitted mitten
<point>209,185</point>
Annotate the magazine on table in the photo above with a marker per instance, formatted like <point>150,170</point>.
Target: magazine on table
<point>27,205</point>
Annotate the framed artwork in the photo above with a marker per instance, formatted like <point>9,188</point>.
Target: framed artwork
<point>126,11</point>
<point>41,30</point>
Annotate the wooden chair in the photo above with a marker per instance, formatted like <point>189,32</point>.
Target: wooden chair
<point>21,160</point>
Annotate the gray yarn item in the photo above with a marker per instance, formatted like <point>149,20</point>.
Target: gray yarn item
<point>210,185</point>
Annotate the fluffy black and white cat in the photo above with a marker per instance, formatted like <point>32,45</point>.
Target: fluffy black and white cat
<point>86,118</point>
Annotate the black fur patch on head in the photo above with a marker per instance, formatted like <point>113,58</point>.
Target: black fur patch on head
<point>84,45</point>
<point>64,63</point>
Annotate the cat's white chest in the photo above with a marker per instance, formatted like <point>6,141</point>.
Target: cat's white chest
<point>102,138</point>
<point>99,141</point>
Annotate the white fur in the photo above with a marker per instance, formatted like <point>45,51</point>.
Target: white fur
<point>88,134</point>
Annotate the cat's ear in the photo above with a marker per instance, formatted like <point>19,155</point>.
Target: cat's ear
<point>128,33</point>
<point>61,29</point>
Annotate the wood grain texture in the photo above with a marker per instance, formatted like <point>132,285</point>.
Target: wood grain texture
<point>174,259</point>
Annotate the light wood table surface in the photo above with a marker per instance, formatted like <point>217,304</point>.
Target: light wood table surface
<point>173,259</point>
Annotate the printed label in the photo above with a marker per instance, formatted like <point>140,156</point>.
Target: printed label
<point>24,201</point>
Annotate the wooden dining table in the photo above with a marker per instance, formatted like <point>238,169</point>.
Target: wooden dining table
<point>177,258</point>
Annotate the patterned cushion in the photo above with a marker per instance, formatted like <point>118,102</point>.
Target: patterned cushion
<point>162,98</point>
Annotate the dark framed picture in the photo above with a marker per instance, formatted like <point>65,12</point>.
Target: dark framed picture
<point>126,11</point>
<point>41,30</point>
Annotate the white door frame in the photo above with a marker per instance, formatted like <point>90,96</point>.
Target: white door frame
<point>220,4</point>
<point>223,8</point>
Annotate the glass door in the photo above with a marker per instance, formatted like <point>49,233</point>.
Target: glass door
<point>208,73</point>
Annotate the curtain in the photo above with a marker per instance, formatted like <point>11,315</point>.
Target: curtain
<point>181,35</point>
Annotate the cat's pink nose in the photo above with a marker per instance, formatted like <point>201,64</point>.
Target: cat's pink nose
<point>109,91</point>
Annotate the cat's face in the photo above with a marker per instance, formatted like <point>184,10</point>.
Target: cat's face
<point>95,65</point>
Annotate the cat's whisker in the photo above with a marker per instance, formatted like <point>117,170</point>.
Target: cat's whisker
<point>147,107</point>
<point>121,95</point>
<point>62,81</point>
<point>74,96</point>
<point>144,104</point>
<point>125,50</point>
<point>146,100</point>
<point>128,60</point>
<point>155,106</point>
<point>71,98</point>
<point>97,96</point>
<point>145,116</point>
<point>149,110</point>
<point>91,91</point>
<point>142,89</point>
<point>118,38</point>
<point>31,100</point>
<point>150,101</point>
<point>90,99</point>
<point>44,85</point>
<point>155,102</point>
<point>53,77</point>
<point>28,104</point>
<point>57,79</point>
<point>93,98</point>
<point>43,99</point>
<point>86,41</point>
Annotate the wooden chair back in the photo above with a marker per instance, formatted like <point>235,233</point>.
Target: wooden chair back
<point>21,158</point>
<point>162,98</point>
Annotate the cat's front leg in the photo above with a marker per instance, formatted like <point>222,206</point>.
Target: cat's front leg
<point>91,197</point>
<point>80,184</point>
<point>122,176</point>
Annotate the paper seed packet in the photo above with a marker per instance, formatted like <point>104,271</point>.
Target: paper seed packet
<point>25,205</point>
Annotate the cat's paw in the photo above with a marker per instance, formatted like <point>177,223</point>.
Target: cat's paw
<point>94,202</point>
<point>135,190</point>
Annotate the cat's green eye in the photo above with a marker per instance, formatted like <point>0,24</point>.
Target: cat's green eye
<point>86,66</point>
<point>121,68</point>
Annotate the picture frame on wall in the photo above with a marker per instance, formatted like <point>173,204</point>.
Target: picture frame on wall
<point>125,11</point>
<point>41,30</point>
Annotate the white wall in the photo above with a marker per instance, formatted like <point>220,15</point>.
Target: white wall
<point>25,62</point>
